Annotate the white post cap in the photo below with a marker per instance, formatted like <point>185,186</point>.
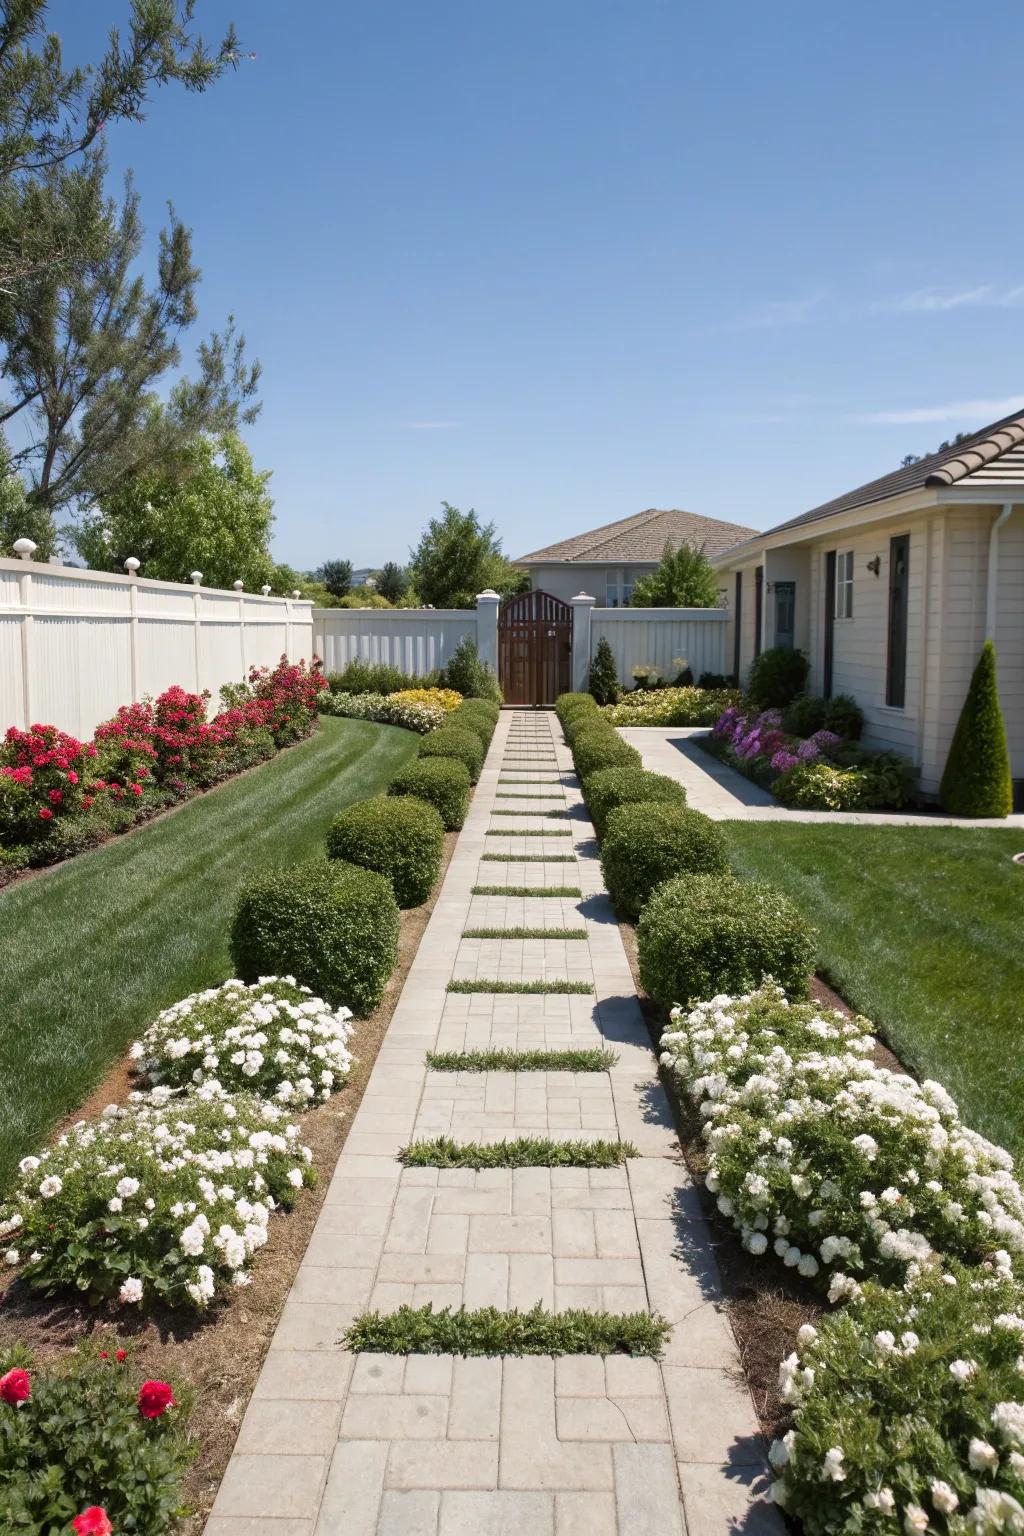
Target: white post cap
<point>239,586</point>
<point>488,596</point>
<point>195,578</point>
<point>131,565</point>
<point>296,593</point>
<point>24,548</point>
<point>584,597</point>
<point>265,590</point>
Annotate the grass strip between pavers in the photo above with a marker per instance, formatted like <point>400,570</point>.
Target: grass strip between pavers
<point>524,933</point>
<point>529,988</point>
<point>528,858</point>
<point>526,890</point>
<point>521,1061</point>
<point>516,794</point>
<point>522,1152</point>
<point>486,1331</point>
<point>528,832</point>
<point>499,811</point>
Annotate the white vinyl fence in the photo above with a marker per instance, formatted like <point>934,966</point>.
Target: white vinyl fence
<point>416,640</point>
<point>76,644</point>
<point>660,637</point>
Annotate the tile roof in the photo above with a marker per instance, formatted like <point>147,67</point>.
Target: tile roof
<point>947,467</point>
<point>643,537</point>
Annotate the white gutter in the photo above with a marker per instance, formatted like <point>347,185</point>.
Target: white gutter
<point>991,590</point>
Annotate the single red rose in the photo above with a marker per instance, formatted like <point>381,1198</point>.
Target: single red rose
<point>155,1397</point>
<point>93,1521</point>
<point>121,1356</point>
<point>16,1386</point>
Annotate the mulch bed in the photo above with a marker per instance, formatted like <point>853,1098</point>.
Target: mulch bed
<point>213,1359</point>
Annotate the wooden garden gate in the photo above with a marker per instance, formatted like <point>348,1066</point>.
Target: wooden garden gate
<point>534,648</point>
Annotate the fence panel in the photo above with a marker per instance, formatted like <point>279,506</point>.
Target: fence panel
<point>76,644</point>
<point>662,638</point>
<point>417,640</point>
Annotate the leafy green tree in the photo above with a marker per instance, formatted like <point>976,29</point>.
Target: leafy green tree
<point>684,579</point>
<point>336,576</point>
<point>457,557</point>
<point>18,518</point>
<point>392,581</point>
<point>284,580</point>
<point>208,510</point>
<point>976,780</point>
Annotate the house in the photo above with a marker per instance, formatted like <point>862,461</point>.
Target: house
<point>607,561</point>
<point>892,589</point>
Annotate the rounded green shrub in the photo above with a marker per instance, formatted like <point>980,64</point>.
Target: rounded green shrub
<point>458,742</point>
<point>569,706</point>
<point>646,844</point>
<point>585,725</point>
<point>611,787</point>
<point>401,836</point>
<point>442,782</point>
<point>701,935</point>
<point>776,677</point>
<point>470,719</point>
<point>805,714</point>
<point>333,926</point>
<point>603,749</point>
<point>976,780</point>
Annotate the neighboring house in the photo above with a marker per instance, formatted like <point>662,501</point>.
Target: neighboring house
<point>607,561</point>
<point>892,590</point>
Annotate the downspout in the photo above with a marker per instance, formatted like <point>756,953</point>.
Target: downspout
<point>991,590</point>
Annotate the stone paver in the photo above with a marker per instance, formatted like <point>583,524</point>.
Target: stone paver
<point>725,795</point>
<point>381,1445</point>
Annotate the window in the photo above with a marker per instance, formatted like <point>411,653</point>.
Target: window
<point>896,662</point>
<point>627,591</point>
<point>844,585</point>
<point>785,614</point>
<point>611,599</point>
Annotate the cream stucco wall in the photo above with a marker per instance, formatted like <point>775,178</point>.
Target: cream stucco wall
<point>566,580</point>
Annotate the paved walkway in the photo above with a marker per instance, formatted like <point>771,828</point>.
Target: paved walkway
<point>725,795</point>
<point>377,1445</point>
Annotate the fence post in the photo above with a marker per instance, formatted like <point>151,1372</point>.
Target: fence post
<point>25,549</point>
<point>197,621</point>
<point>239,587</point>
<point>487,605</point>
<point>582,609</point>
<point>131,565</point>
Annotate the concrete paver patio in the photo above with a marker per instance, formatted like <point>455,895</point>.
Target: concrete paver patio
<point>382,1445</point>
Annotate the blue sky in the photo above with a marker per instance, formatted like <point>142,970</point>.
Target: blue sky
<point>563,261</point>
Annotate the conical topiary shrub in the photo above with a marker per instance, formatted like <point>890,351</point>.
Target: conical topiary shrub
<point>976,781</point>
<point>604,674</point>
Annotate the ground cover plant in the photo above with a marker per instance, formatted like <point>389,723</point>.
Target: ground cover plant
<point>274,1039</point>
<point>162,1201</point>
<point>521,1061</point>
<point>842,1168</point>
<point>441,782</point>
<point>86,1447</point>
<point>700,935</point>
<point>522,1152</point>
<point>147,911</point>
<point>671,706</point>
<point>908,1410</point>
<point>59,796</point>
<point>486,1331</point>
<point>400,836</point>
<point>335,924</point>
<point>896,910</point>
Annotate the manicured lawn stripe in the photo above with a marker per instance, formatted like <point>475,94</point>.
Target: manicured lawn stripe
<point>521,1061</point>
<point>488,985</point>
<point>91,951</point>
<point>524,933</point>
<point>526,890</point>
<point>919,928</point>
<point>523,1152</point>
<point>486,1331</point>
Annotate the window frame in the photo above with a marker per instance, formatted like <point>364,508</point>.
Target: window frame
<point>844,585</point>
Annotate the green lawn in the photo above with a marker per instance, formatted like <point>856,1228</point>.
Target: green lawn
<point>90,952</point>
<point>922,930</point>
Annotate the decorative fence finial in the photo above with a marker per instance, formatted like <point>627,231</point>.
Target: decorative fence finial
<point>24,548</point>
<point>196,577</point>
<point>239,586</point>
<point>265,590</point>
<point>131,565</point>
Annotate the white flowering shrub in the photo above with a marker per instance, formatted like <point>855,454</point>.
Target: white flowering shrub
<point>386,709</point>
<point>273,1038</point>
<point>843,1169</point>
<point>908,1410</point>
<point>163,1201</point>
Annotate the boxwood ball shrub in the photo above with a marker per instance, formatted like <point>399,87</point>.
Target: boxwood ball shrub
<point>594,723</point>
<point>274,1038</point>
<point>701,935</point>
<point>442,782</point>
<point>612,787</point>
<point>164,1201</point>
<point>332,925</point>
<point>458,742</point>
<point>908,1410</point>
<point>484,709</point>
<point>86,1429</point>
<point>472,720</point>
<point>399,835</point>
<point>570,706</point>
<point>648,843</point>
<point>603,749</point>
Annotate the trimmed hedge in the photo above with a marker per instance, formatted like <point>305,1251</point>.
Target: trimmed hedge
<point>400,836</point>
<point>442,782</point>
<point>612,787</point>
<point>702,935</point>
<point>648,843</point>
<point>603,749</point>
<point>333,926</point>
<point>571,706</point>
<point>585,725</point>
<point>458,742</point>
<point>470,716</point>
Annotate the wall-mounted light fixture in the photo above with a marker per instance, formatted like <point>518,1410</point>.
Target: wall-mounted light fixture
<point>875,565</point>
